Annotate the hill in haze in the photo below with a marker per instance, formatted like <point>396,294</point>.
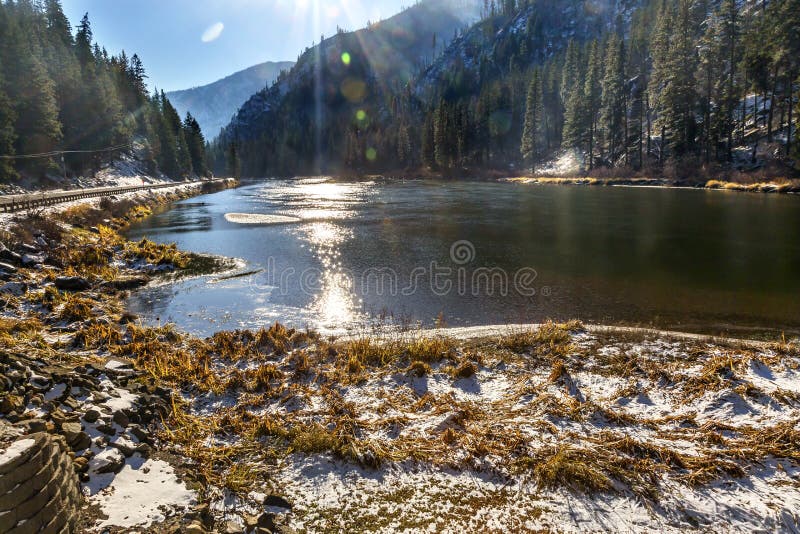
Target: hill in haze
<point>214,104</point>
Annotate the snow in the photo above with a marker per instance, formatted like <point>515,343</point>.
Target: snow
<point>15,450</point>
<point>449,486</point>
<point>143,493</point>
<point>259,218</point>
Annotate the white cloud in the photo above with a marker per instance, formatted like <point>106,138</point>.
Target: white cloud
<point>213,32</point>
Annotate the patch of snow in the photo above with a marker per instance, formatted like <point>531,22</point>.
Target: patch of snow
<point>143,493</point>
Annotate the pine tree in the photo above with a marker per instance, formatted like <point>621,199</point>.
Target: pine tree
<point>531,135</point>
<point>173,122</point>
<point>614,109</point>
<point>234,164</point>
<point>196,144</point>
<point>7,136</point>
<point>592,94</point>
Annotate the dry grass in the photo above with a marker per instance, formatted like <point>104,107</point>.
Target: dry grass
<point>75,308</point>
<point>775,186</point>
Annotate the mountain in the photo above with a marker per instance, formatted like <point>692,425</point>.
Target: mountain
<point>358,71</point>
<point>681,89</point>
<point>214,104</point>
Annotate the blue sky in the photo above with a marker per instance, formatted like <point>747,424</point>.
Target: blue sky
<point>184,43</point>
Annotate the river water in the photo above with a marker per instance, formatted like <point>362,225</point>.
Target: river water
<point>342,256</point>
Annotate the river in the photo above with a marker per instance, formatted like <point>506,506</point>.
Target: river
<point>345,256</point>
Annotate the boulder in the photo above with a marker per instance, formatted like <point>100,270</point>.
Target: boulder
<point>7,267</point>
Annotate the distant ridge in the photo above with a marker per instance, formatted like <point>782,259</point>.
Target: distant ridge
<point>214,104</point>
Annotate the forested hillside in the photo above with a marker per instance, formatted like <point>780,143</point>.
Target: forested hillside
<point>346,83</point>
<point>214,104</point>
<point>63,93</point>
<point>630,86</point>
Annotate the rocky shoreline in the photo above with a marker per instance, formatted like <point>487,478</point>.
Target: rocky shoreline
<point>63,276</point>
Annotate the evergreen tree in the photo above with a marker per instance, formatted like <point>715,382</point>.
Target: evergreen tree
<point>196,144</point>
<point>32,94</point>
<point>531,135</point>
<point>592,95</point>
<point>234,164</point>
<point>7,136</point>
<point>614,102</point>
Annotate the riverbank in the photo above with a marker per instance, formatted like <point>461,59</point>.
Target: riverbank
<point>783,186</point>
<point>528,427</point>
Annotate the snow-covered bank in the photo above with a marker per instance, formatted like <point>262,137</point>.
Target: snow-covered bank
<point>509,428</point>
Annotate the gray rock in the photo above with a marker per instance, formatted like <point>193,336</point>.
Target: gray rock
<point>7,267</point>
<point>14,288</point>
<point>29,260</point>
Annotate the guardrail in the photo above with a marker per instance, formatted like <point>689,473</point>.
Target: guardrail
<point>11,203</point>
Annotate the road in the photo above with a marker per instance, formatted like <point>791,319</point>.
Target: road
<point>10,203</point>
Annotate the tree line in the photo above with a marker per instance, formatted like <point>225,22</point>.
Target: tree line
<point>63,92</point>
<point>672,82</point>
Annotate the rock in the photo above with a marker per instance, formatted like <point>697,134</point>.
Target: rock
<point>72,283</point>
<point>139,433</point>
<point>106,429</point>
<point>7,267</point>
<point>124,445</point>
<point>144,450</point>
<point>11,403</point>
<point>121,419</point>
<point>125,283</point>
<point>14,288</point>
<point>250,522</point>
<point>41,383</point>
<point>231,527</point>
<point>9,255</point>
<point>30,249</point>
<point>195,527</point>
<point>42,242</point>
<point>108,461</point>
<point>82,442</point>
<point>91,416</point>
<point>71,403</point>
<point>33,426</point>
<point>71,431</point>
<point>277,501</point>
<point>29,260</point>
<point>81,464</point>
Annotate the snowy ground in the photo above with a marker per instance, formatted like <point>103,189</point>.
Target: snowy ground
<point>583,431</point>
